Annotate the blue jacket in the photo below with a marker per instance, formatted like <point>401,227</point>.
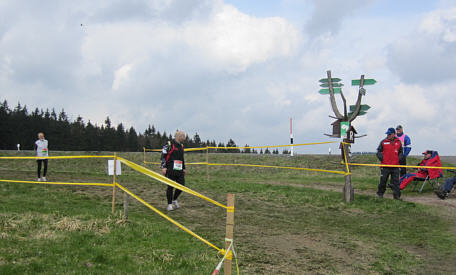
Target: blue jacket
<point>407,143</point>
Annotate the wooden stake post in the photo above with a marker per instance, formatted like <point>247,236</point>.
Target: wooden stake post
<point>348,191</point>
<point>125,205</point>
<point>207,165</point>
<point>229,230</point>
<point>114,184</point>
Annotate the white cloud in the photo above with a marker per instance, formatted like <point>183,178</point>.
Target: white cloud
<point>206,67</point>
<point>121,76</point>
<point>441,23</point>
<point>428,54</point>
<point>237,40</point>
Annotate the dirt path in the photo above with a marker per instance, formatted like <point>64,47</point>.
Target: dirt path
<point>424,198</point>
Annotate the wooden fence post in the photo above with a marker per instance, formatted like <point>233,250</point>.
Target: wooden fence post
<point>207,165</point>
<point>144,149</point>
<point>348,192</point>
<point>229,230</point>
<point>114,184</point>
<point>125,205</point>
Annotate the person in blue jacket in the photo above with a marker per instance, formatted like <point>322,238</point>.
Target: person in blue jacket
<point>446,188</point>
<point>406,144</point>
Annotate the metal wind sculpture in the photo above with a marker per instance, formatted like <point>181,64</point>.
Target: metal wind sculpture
<point>342,127</point>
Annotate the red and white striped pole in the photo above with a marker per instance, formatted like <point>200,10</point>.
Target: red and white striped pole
<point>291,135</point>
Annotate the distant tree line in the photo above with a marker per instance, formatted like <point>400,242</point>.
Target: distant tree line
<point>19,126</point>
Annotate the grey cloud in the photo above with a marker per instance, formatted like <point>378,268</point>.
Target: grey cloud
<point>122,11</point>
<point>172,85</point>
<point>421,58</point>
<point>328,15</point>
<point>180,11</point>
<point>39,47</point>
<point>143,10</point>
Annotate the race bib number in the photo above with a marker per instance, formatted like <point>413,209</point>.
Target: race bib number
<point>177,165</point>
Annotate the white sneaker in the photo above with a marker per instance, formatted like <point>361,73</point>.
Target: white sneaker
<point>43,179</point>
<point>170,207</point>
<point>38,179</point>
<point>176,204</point>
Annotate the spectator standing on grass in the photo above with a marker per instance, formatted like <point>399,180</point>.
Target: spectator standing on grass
<point>405,140</point>
<point>389,152</point>
<point>173,167</point>
<point>41,148</point>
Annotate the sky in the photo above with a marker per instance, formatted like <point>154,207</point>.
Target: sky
<point>237,69</point>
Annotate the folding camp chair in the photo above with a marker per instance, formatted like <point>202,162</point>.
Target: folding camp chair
<point>433,182</point>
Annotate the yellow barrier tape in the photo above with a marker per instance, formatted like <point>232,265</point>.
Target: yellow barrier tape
<point>407,166</point>
<point>230,209</point>
<point>196,163</point>
<point>59,157</point>
<point>187,163</point>
<point>185,149</point>
<point>229,256</point>
<point>60,183</point>
<point>258,165</point>
<point>273,146</point>
<point>168,218</point>
<point>246,147</point>
<point>195,149</point>
<point>280,167</point>
<point>167,181</point>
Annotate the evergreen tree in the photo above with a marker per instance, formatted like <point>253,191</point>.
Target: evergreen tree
<point>121,138</point>
<point>231,143</point>
<point>221,145</point>
<point>91,137</point>
<point>133,145</point>
<point>197,140</point>
<point>20,126</point>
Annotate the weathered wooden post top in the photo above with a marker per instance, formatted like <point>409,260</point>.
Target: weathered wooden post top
<point>342,127</point>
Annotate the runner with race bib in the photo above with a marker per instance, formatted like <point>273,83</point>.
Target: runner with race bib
<point>173,167</point>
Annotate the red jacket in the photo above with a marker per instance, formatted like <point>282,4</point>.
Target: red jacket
<point>434,160</point>
<point>390,151</point>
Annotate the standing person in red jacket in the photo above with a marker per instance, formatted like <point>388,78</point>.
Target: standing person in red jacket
<point>390,152</point>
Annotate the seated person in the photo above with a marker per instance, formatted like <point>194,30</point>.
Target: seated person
<point>446,188</point>
<point>431,158</point>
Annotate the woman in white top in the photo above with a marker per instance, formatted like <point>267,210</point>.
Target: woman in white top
<point>41,147</point>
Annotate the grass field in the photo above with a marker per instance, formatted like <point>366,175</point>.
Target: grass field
<point>287,222</point>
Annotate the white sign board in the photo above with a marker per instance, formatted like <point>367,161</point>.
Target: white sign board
<point>111,167</point>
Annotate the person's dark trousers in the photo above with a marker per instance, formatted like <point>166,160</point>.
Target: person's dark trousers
<point>385,173</point>
<point>403,169</point>
<point>179,178</point>
<point>39,161</point>
<point>449,183</point>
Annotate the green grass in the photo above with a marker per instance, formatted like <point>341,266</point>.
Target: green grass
<point>283,224</point>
